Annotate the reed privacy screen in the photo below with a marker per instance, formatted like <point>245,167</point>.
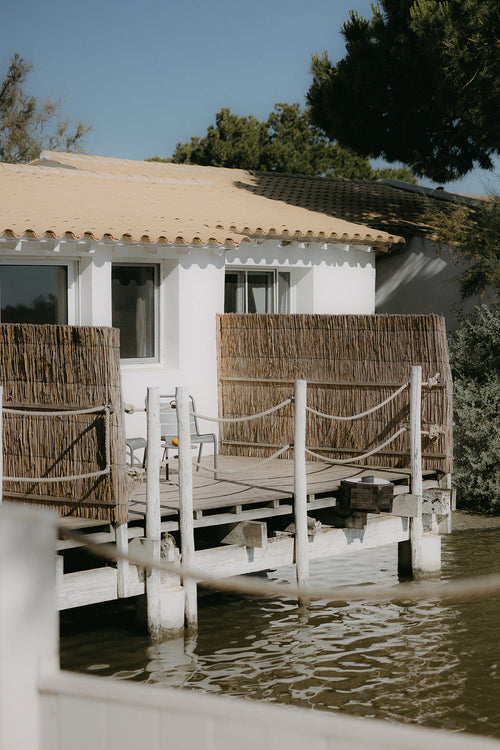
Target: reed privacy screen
<point>351,363</point>
<point>50,368</point>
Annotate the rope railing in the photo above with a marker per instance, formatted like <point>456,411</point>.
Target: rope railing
<point>284,449</point>
<point>363,456</point>
<point>362,414</point>
<point>467,589</point>
<point>50,413</point>
<point>232,420</point>
<point>248,417</point>
<point>225,420</point>
<point>73,412</point>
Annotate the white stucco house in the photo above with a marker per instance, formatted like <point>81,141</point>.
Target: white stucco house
<point>157,250</point>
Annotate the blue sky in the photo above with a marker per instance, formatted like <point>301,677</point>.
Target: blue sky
<point>150,74</point>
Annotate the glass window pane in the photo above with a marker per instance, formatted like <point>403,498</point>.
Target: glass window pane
<point>34,294</point>
<point>234,299</point>
<point>260,292</point>
<point>133,310</point>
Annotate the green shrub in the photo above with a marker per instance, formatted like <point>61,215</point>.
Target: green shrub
<point>475,362</point>
<point>475,346</point>
<point>476,473</point>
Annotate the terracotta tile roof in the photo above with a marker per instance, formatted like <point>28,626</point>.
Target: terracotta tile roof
<point>95,197</point>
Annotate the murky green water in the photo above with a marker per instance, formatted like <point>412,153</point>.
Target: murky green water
<point>433,664</point>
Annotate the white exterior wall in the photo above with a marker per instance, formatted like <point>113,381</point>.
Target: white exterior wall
<point>95,276</point>
<point>325,279</point>
<point>420,279</point>
<point>191,295</point>
<point>344,282</point>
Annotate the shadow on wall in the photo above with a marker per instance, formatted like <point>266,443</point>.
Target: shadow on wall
<point>421,280</point>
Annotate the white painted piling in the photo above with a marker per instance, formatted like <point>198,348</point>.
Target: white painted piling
<point>122,568</point>
<point>416,525</point>
<point>300,486</point>
<point>153,514</point>
<point>186,504</point>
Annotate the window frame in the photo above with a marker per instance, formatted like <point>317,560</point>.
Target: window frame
<point>72,274</point>
<point>155,359</point>
<point>242,286</point>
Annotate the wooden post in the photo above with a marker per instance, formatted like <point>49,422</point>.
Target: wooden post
<point>153,514</point>
<point>416,525</point>
<point>186,503</point>
<point>122,571</point>
<point>300,487</point>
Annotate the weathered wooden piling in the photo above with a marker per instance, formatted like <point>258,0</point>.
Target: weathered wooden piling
<point>416,526</point>
<point>153,513</point>
<point>122,566</point>
<point>186,503</point>
<point>300,487</point>
<point>421,555</point>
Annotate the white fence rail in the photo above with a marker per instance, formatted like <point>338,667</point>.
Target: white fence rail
<point>81,712</point>
<point>43,708</point>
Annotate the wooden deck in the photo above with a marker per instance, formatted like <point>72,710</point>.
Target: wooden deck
<point>228,499</point>
<point>243,523</point>
<point>248,489</point>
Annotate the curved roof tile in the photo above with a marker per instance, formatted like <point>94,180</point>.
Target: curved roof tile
<point>80,196</point>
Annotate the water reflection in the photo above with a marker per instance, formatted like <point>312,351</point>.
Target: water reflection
<point>429,663</point>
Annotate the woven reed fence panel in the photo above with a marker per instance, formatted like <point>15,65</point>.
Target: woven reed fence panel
<point>351,363</point>
<point>63,367</point>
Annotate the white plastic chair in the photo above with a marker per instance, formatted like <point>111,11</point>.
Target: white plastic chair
<point>168,427</point>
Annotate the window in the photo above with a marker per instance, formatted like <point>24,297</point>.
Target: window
<point>252,291</point>
<point>34,293</point>
<point>134,309</point>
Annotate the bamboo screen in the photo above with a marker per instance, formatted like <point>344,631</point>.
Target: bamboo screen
<point>351,363</point>
<point>46,368</point>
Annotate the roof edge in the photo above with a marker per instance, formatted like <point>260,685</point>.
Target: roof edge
<point>438,193</point>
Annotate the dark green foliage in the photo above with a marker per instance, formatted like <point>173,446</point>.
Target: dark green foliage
<point>475,346</point>
<point>235,142</point>
<point>286,142</point>
<point>28,125</point>
<point>475,362</point>
<point>420,84</point>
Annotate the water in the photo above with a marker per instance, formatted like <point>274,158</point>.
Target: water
<point>430,663</point>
